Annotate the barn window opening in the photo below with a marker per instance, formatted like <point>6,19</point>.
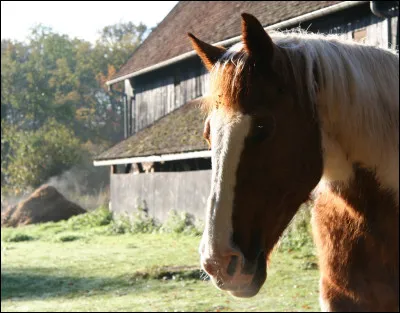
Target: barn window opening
<point>360,35</point>
<point>196,164</point>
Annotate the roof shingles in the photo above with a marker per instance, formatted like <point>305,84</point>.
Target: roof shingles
<point>180,131</point>
<point>211,21</point>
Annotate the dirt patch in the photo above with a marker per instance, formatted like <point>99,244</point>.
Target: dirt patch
<point>45,204</point>
<point>172,272</point>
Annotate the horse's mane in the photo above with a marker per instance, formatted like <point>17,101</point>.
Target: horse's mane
<point>353,84</point>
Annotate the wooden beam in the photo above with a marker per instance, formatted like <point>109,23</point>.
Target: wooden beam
<point>128,168</point>
<point>156,158</point>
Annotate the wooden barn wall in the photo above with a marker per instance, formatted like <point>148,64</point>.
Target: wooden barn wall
<point>357,23</point>
<point>159,93</point>
<point>161,192</point>
<point>162,91</point>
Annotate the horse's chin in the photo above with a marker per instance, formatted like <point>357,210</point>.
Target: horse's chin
<point>250,292</point>
<point>258,280</point>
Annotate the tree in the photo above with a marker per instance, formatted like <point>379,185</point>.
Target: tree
<point>118,42</point>
<point>35,156</point>
<point>55,86</point>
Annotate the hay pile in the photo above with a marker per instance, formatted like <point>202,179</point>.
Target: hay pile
<point>45,204</point>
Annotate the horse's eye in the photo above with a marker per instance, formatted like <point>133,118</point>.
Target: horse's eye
<point>259,134</point>
<point>263,130</point>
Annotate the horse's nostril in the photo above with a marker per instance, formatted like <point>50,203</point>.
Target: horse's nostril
<point>210,267</point>
<point>232,265</point>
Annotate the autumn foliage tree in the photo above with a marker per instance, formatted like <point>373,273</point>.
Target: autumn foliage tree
<point>54,99</point>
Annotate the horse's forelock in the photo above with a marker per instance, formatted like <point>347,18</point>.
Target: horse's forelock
<point>226,81</point>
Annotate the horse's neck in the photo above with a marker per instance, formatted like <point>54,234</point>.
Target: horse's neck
<point>361,204</point>
<point>345,146</point>
<point>364,193</point>
<point>341,155</point>
<point>358,110</point>
<point>356,228</point>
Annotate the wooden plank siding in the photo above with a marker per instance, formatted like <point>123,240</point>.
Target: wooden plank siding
<point>159,192</point>
<point>162,91</point>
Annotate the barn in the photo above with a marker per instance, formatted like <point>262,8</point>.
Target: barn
<point>163,163</point>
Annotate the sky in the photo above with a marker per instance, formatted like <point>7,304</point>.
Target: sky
<point>82,19</point>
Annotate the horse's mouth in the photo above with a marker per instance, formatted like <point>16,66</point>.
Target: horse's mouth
<point>251,288</point>
<point>259,278</point>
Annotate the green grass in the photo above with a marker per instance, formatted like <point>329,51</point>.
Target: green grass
<point>92,269</point>
<point>17,237</point>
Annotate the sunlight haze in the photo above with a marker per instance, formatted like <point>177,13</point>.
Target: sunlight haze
<point>82,19</point>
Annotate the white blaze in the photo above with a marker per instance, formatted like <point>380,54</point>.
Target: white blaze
<point>228,133</point>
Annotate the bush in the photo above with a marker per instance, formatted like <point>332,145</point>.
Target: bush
<point>99,217</point>
<point>180,223</point>
<point>143,223</point>
<point>140,222</point>
<point>298,235</point>
<point>17,237</point>
<point>103,222</point>
<point>67,238</point>
<point>120,225</point>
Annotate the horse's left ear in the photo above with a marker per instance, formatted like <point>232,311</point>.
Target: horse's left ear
<point>209,54</point>
<point>257,43</point>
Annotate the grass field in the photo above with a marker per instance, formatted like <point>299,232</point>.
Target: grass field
<point>54,267</point>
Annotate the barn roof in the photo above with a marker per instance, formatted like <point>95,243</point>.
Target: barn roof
<point>177,132</point>
<point>212,21</point>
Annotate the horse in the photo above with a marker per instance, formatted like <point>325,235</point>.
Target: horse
<point>293,115</point>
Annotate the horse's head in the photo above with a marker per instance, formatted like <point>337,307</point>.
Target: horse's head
<point>266,156</point>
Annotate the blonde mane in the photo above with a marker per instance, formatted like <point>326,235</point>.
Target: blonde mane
<point>355,88</point>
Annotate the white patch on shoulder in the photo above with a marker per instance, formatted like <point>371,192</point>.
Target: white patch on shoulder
<point>324,305</point>
<point>337,167</point>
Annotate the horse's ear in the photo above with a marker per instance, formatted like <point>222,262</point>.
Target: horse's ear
<point>209,54</point>
<point>257,43</point>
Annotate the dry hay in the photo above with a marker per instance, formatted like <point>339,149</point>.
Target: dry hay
<point>45,204</point>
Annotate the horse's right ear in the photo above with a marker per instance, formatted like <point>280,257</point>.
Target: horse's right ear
<point>257,43</point>
<point>208,54</point>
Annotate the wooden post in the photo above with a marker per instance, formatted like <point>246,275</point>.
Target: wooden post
<point>128,168</point>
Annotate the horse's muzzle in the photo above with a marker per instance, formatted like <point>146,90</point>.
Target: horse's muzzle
<point>240,277</point>
<point>259,277</point>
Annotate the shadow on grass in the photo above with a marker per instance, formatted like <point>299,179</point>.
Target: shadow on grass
<point>41,283</point>
<point>172,272</point>
<point>35,283</point>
